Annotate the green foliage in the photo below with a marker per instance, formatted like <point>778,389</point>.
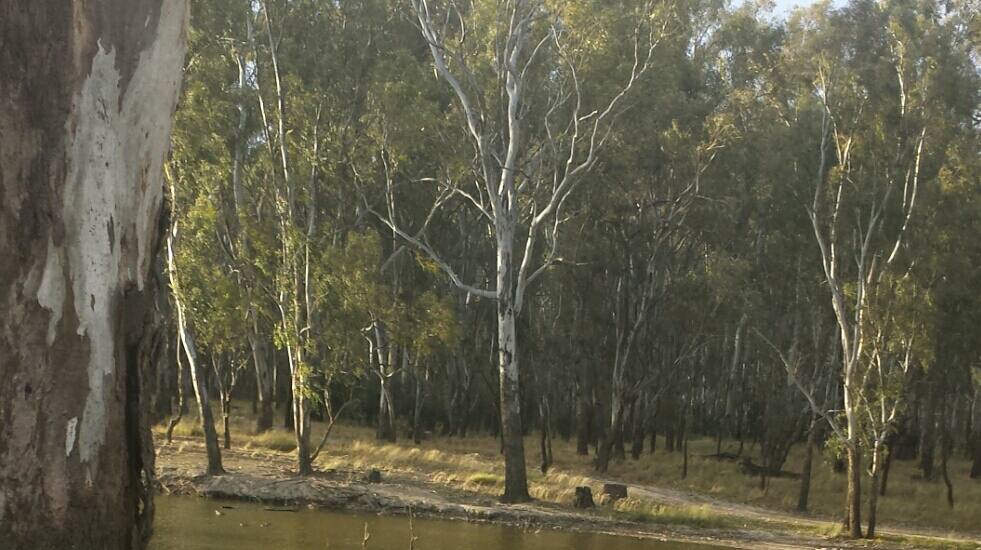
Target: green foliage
<point>699,199</point>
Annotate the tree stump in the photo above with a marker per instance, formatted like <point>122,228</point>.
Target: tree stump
<point>615,490</point>
<point>584,498</point>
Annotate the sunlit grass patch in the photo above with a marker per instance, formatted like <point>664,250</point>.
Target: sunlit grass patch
<point>559,487</point>
<point>277,440</point>
<point>187,427</point>
<point>695,516</point>
<point>485,480</point>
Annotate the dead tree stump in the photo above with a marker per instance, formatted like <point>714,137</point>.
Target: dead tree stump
<point>584,498</point>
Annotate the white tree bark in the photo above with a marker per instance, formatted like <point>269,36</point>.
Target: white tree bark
<point>86,101</point>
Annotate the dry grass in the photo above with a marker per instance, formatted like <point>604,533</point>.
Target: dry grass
<point>696,516</point>
<point>475,464</point>
<point>492,480</point>
<point>908,501</point>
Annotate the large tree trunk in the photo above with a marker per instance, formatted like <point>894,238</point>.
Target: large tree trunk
<point>515,476</point>
<point>87,94</point>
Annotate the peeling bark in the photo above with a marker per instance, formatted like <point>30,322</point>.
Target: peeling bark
<point>86,101</point>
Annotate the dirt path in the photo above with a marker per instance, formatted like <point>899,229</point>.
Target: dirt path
<point>671,496</point>
<point>266,476</point>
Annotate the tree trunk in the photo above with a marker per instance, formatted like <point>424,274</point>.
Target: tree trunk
<point>85,116</point>
<point>685,429</point>
<point>584,409</point>
<point>584,419</point>
<point>853,512</point>
<point>944,453</point>
<point>224,421</point>
<point>417,411</point>
<point>546,438</point>
<point>637,446</point>
<point>288,411</point>
<point>874,487</point>
<point>201,393</point>
<point>515,476</point>
<point>976,457</point>
<point>654,436</point>
<point>182,395</point>
<point>887,463</point>
<point>805,475</point>
<point>610,442</point>
<point>264,382</point>
<point>301,413</point>
<point>928,440</point>
<point>974,442</point>
<point>163,393</point>
<point>684,450</point>
<point>385,430</point>
<point>164,358</point>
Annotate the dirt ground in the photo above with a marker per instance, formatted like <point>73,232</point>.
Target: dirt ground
<point>266,476</point>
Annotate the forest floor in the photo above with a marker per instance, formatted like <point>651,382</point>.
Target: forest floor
<point>459,479</point>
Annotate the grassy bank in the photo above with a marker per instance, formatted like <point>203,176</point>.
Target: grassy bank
<point>474,464</point>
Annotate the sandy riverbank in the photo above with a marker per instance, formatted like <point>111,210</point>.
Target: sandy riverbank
<point>266,476</point>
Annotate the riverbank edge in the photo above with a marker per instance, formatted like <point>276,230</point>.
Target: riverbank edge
<point>324,491</point>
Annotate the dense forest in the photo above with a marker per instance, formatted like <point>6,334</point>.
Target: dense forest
<point>625,223</point>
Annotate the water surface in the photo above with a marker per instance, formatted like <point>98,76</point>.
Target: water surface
<point>192,523</point>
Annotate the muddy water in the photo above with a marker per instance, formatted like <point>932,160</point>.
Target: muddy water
<point>192,523</point>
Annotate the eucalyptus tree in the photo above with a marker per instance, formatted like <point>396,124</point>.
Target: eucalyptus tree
<point>85,121</point>
<point>188,343</point>
<point>515,71</point>
<point>214,152</point>
<point>268,129</point>
<point>201,175</point>
<point>863,77</point>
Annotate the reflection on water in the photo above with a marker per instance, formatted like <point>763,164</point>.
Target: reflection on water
<point>192,523</point>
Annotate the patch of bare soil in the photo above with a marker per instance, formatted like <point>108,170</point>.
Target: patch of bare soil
<point>266,476</point>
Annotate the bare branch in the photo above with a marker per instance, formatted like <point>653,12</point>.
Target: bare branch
<point>418,243</point>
